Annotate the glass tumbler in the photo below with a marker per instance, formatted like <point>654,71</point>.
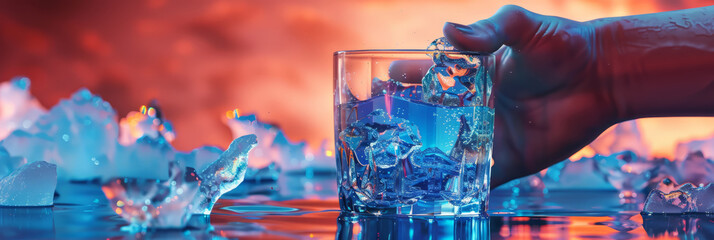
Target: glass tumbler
<point>413,131</point>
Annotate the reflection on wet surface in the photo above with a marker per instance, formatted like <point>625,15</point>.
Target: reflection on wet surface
<point>81,212</point>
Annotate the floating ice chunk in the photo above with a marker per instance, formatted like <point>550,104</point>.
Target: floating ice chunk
<point>622,137</point>
<point>696,169</point>
<point>320,160</point>
<point>578,175</point>
<point>531,185</point>
<point>147,122</point>
<point>705,146</point>
<point>8,163</point>
<point>154,203</point>
<point>224,174</point>
<point>78,134</point>
<point>33,184</point>
<point>18,109</point>
<point>626,172</point>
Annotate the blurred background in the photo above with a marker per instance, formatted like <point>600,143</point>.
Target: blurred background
<point>273,58</point>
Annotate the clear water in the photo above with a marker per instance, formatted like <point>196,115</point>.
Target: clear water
<point>404,156</point>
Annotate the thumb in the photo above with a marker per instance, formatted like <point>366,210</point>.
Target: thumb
<point>511,25</point>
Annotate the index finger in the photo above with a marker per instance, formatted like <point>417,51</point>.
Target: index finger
<point>409,71</point>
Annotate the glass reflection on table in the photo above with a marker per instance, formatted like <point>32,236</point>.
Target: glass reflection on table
<point>402,227</point>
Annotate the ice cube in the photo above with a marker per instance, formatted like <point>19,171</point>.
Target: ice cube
<point>454,79</point>
<point>33,184</point>
<point>430,170</point>
<point>18,109</point>
<point>393,145</point>
<point>155,203</point>
<point>223,174</point>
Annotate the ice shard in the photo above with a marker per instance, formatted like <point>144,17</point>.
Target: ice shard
<point>223,174</point>
<point>33,184</point>
<point>451,81</point>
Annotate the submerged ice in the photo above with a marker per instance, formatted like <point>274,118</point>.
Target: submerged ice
<point>387,163</point>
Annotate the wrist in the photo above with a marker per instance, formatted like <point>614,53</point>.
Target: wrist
<point>609,63</point>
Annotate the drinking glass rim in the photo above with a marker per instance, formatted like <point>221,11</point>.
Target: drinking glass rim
<point>406,51</point>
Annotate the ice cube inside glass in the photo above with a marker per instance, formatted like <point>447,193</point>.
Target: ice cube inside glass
<point>413,131</point>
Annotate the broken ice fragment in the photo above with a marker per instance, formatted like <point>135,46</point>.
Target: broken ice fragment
<point>224,174</point>
<point>33,184</point>
<point>154,203</point>
<point>455,78</point>
<point>393,145</point>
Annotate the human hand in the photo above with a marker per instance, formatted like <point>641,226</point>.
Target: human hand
<point>550,97</point>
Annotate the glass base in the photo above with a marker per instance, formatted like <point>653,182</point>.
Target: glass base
<point>420,208</point>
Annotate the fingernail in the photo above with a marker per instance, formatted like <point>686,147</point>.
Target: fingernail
<point>462,28</point>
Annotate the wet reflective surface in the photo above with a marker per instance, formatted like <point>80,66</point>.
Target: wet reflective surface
<point>274,210</point>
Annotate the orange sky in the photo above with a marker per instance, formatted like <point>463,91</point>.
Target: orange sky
<point>273,58</point>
